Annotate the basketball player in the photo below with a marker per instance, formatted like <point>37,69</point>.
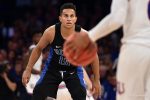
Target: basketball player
<point>134,61</point>
<point>57,68</point>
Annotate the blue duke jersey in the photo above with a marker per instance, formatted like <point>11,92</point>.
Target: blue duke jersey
<point>56,59</point>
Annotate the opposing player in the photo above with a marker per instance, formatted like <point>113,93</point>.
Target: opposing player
<point>57,68</point>
<point>133,73</point>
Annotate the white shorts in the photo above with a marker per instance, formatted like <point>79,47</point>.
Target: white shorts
<point>133,73</point>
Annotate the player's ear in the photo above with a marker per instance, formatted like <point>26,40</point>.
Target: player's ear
<point>76,19</point>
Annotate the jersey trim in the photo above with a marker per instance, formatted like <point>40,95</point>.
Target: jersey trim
<point>46,66</point>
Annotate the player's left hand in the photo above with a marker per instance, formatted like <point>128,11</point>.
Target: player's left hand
<point>96,89</point>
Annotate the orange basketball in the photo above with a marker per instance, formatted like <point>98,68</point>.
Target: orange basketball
<point>86,56</point>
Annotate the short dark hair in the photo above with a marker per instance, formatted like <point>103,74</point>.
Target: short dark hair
<point>67,6</point>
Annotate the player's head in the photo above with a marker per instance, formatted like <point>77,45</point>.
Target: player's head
<point>68,15</point>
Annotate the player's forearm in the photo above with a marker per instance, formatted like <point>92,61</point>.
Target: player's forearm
<point>104,28</point>
<point>33,58</point>
<point>111,22</point>
<point>95,68</point>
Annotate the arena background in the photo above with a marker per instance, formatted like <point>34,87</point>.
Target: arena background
<point>21,19</point>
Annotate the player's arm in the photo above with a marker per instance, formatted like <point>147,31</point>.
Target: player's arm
<point>112,21</point>
<point>96,80</point>
<point>44,41</point>
<point>26,58</point>
<point>34,71</point>
<point>36,52</point>
<point>96,68</point>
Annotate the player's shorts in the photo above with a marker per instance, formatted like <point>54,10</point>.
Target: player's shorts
<point>49,81</point>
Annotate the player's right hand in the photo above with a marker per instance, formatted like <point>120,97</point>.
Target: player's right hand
<point>96,88</point>
<point>26,76</point>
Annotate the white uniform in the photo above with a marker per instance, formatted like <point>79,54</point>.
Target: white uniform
<point>34,77</point>
<point>133,73</point>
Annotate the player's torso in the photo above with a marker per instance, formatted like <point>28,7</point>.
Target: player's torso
<point>137,24</point>
<point>56,59</point>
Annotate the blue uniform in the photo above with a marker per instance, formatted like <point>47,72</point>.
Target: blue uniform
<point>58,69</point>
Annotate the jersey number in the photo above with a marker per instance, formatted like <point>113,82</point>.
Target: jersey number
<point>63,61</point>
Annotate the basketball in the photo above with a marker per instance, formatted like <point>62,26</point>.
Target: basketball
<point>85,56</point>
<point>88,55</point>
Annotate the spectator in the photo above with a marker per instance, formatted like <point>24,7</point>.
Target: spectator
<point>7,84</point>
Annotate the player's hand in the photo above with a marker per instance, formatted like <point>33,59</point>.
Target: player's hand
<point>79,49</point>
<point>96,88</point>
<point>26,76</point>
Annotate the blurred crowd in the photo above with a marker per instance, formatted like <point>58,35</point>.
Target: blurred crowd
<point>21,19</point>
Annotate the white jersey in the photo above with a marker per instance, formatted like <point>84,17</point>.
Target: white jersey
<point>133,15</point>
<point>137,23</point>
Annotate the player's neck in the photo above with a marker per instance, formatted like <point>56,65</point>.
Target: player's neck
<point>65,32</point>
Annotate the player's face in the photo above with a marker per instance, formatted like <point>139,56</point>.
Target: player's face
<point>68,18</point>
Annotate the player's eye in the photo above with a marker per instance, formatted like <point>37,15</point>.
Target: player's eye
<point>72,16</point>
<point>65,15</point>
